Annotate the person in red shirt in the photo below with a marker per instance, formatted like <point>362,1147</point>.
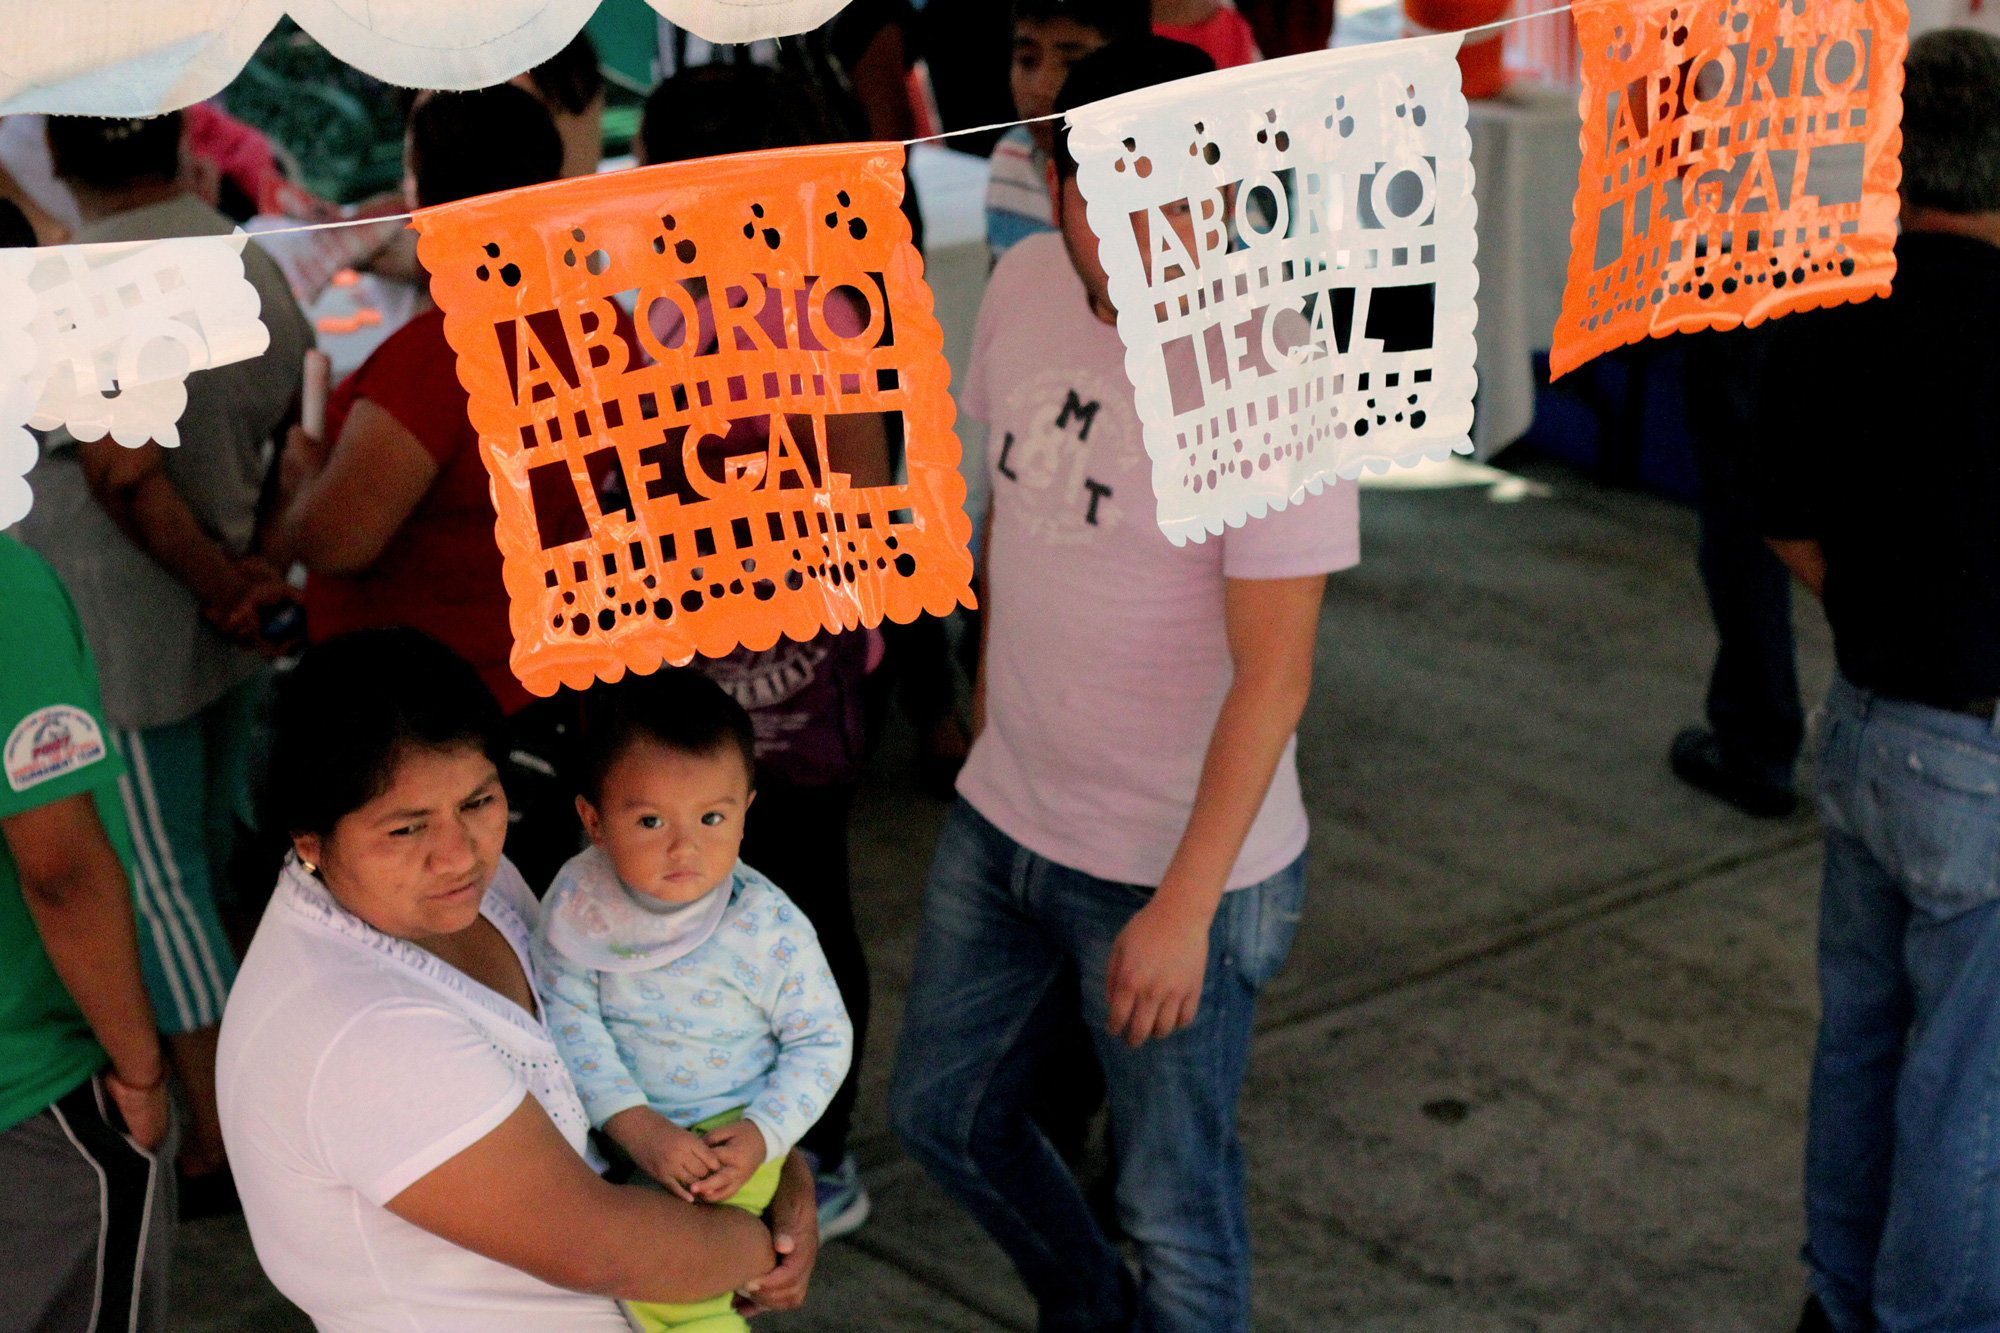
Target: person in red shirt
<point>391,514</point>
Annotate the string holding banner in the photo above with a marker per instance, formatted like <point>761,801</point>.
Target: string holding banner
<point>1740,162</point>
<point>664,483</point>
<point>1290,250</point>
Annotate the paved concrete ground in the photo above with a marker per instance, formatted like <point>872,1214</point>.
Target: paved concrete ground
<point>1538,1060</point>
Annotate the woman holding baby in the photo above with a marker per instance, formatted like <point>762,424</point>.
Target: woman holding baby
<point>411,1150</point>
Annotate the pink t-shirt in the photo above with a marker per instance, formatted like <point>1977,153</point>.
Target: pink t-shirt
<point>1106,659</point>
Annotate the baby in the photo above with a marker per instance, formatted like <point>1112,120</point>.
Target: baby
<point>686,992</point>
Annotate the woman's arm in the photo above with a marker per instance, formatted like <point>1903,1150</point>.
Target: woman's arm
<point>794,1221</point>
<point>522,1197</point>
<point>338,509</point>
<point>1158,960</point>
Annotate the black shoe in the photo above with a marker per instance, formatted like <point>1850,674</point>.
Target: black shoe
<point>1697,760</point>
<point>1813,1318</point>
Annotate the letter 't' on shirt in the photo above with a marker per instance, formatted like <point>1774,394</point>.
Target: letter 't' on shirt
<point>1107,660</point>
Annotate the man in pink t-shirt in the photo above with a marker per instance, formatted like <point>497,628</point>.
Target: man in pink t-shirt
<point>1130,812</point>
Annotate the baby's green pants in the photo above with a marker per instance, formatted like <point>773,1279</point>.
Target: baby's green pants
<point>716,1315</point>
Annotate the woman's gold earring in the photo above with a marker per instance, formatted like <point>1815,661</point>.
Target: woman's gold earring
<point>308,866</point>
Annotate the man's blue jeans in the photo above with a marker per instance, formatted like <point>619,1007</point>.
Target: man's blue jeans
<point>1903,1143</point>
<point>1000,924</point>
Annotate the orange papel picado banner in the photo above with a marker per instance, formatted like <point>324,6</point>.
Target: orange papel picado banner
<point>1739,163</point>
<point>655,359</point>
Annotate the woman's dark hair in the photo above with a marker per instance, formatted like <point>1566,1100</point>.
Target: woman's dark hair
<point>481,142</point>
<point>677,707</point>
<point>570,78</point>
<point>108,153</point>
<point>1122,67</point>
<point>732,108</point>
<point>1951,122</point>
<point>352,707</point>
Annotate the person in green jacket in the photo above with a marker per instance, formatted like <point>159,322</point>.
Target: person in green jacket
<point>87,1216</point>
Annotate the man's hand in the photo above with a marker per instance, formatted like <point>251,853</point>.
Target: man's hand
<point>675,1157</point>
<point>1153,985</point>
<point>144,1109</point>
<point>739,1146</point>
<point>243,615</point>
<point>794,1221</point>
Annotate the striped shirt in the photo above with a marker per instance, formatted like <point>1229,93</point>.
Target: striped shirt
<point>1017,191</point>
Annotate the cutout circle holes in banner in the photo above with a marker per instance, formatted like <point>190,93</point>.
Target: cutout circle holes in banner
<point>1290,248</point>
<point>1740,162</point>
<point>100,339</point>
<point>653,358</point>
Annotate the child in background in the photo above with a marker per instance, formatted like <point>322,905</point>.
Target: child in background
<point>688,996</point>
<point>1212,25</point>
<point>1049,37</point>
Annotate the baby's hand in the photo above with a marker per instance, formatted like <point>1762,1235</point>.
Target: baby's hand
<point>675,1157</point>
<point>739,1147</point>
<point>683,1163</point>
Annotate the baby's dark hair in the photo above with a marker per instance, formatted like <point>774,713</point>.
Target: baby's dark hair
<point>677,707</point>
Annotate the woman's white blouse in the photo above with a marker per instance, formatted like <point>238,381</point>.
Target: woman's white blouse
<point>352,1064</point>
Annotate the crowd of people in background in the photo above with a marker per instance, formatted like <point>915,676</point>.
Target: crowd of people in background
<point>527,984</point>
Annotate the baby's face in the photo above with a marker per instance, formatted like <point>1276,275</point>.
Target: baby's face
<point>670,822</point>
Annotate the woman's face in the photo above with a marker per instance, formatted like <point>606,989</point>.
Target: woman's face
<point>415,861</point>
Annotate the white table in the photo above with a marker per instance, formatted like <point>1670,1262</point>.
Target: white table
<point>1525,158</point>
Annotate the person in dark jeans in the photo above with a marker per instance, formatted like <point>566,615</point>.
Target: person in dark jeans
<point>1129,816</point>
<point>1877,480</point>
<point>1746,753</point>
